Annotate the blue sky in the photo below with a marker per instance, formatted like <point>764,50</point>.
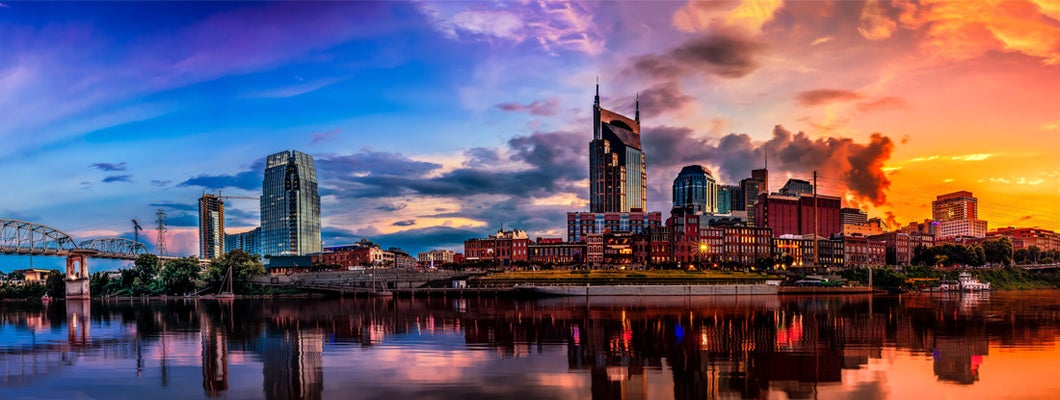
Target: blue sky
<point>432,121</point>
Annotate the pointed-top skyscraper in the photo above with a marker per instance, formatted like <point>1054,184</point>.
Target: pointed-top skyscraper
<point>618,178</point>
<point>290,205</point>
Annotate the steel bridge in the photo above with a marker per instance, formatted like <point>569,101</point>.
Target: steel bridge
<point>27,238</point>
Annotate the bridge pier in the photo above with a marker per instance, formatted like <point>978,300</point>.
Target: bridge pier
<point>77,278</point>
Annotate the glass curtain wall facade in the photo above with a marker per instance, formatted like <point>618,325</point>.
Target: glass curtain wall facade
<point>290,205</point>
<point>695,190</point>
<point>211,226</point>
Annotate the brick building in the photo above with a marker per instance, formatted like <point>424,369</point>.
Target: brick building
<point>790,215</point>
<point>504,248</point>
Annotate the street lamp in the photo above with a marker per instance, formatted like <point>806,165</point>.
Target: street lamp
<point>702,249</point>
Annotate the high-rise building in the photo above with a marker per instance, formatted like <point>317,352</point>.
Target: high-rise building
<point>290,205</point>
<point>751,188</point>
<point>736,199</point>
<point>853,216</point>
<point>725,194</point>
<point>211,226</point>
<point>249,241</point>
<point>762,176</point>
<point>618,178</point>
<point>954,206</point>
<point>799,215</point>
<point>958,216</point>
<point>795,187</point>
<point>695,190</point>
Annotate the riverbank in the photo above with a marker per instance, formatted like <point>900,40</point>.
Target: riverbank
<point>619,277</point>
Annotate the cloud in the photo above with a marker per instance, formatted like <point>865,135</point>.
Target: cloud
<point>822,40</point>
<point>547,107</point>
<point>565,25</point>
<point>369,163</point>
<point>481,157</point>
<point>408,222</point>
<point>858,166</point>
<point>319,137</point>
<point>826,96</point>
<point>965,29</point>
<point>962,157</point>
<point>176,206</point>
<point>160,183</point>
<point>117,178</point>
<point>411,240</point>
<point>553,161</point>
<point>874,23</point>
<point>295,90</point>
<point>182,220</point>
<point>750,15</point>
<point>248,180</point>
<point>1050,126</point>
<point>392,207</point>
<point>723,54</point>
<point>664,97</point>
<point>882,104</point>
<point>109,166</point>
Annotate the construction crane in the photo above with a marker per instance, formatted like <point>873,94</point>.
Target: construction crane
<point>136,230</point>
<point>237,197</point>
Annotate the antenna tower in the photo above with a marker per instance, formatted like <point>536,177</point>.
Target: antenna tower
<point>161,245</point>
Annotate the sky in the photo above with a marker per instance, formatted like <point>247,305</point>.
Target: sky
<point>432,122</point>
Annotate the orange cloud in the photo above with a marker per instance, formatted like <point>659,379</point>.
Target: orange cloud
<point>749,15</point>
<point>966,29</point>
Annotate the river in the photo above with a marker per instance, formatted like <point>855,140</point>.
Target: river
<point>936,346</point>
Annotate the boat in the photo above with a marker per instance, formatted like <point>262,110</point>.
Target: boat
<point>965,283</point>
<point>769,288</point>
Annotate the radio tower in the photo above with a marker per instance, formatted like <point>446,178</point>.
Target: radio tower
<point>161,246</point>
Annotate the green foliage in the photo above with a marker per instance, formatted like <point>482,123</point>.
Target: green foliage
<point>881,277</point>
<point>244,267</point>
<point>179,276</point>
<point>998,250</point>
<point>949,254</point>
<point>1015,278</point>
<point>22,291</point>
<point>56,284</point>
<point>146,266</point>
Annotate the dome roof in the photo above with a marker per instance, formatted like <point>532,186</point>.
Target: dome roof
<point>695,170</point>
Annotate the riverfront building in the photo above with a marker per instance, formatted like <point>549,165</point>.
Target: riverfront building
<point>788,215</point>
<point>290,205</point>
<point>618,178</point>
<point>211,226</point>
<point>958,216</point>
<point>502,249</point>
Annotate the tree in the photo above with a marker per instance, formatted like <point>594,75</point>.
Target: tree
<point>98,283</point>
<point>1021,256</point>
<point>244,267</point>
<point>179,276</point>
<point>56,284</point>
<point>1033,254</point>
<point>998,250</point>
<point>146,266</point>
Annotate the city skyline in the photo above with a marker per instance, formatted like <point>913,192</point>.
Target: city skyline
<point>435,122</point>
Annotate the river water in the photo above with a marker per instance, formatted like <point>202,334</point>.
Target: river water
<point>933,346</point>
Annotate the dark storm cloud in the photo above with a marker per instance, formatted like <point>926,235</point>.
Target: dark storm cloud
<point>724,54</point>
<point>109,167</point>
<point>478,157</point>
<point>182,220</point>
<point>544,108</point>
<point>408,222</point>
<point>555,160</point>
<point>117,178</point>
<point>247,180</point>
<point>856,165</point>
<point>392,207</point>
<point>371,162</point>
<point>826,96</point>
<point>663,97</point>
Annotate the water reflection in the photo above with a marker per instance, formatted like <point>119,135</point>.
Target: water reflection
<point>600,348</point>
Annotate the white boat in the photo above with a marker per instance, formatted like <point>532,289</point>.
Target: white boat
<point>965,283</point>
<point>656,290</point>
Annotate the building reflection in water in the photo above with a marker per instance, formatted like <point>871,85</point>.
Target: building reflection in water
<point>620,348</point>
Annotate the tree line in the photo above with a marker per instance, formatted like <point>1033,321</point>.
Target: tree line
<point>150,276</point>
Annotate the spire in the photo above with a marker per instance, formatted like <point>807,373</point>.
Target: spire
<point>596,100</point>
<point>637,115</point>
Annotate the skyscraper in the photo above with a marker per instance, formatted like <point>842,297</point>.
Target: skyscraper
<point>211,226</point>
<point>290,205</point>
<point>957,215</point>
<point>695,190</point>
<point>618,178</point>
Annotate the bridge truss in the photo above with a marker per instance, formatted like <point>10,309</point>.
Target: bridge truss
<point>20,237</point>
<point>114,247</point>
<point>27,238</point>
